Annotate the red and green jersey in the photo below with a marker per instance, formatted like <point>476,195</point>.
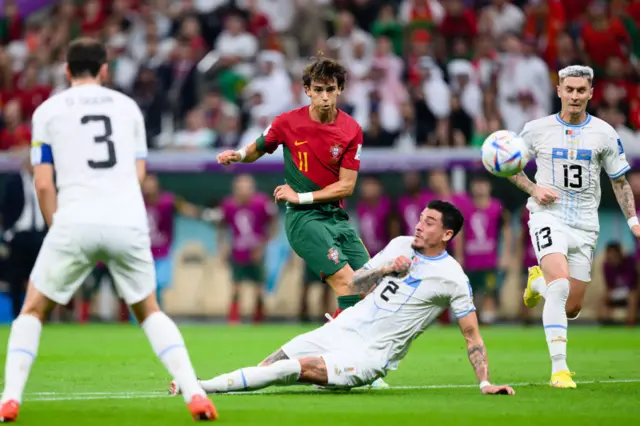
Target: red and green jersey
<point>313,152</point>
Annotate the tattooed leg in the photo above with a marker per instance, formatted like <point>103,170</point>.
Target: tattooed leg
<point>278,355</point>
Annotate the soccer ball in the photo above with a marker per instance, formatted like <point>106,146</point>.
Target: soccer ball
<point>504,153</point>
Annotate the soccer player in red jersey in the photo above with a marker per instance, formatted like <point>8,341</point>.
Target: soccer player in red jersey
<point>321,147</point>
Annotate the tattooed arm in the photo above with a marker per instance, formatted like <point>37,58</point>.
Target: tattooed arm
<point>476,350</point>
<point>624,195</point>
<point>365,280</point>
<point>522,181</point>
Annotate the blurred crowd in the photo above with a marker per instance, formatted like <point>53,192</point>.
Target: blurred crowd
<point>214,73</point>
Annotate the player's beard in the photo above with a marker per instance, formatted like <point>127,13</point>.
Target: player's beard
<point>417,244</point>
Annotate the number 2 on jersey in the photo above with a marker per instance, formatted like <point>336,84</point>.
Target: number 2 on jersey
<point>391,287</point>
<point>103,138</point>
<point>303,161</point>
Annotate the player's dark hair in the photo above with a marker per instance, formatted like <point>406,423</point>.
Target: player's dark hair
<point>324,70</point>
<point>85,56</point>
<point>451,217</point>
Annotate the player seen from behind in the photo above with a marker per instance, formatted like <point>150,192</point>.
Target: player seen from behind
<point>570,149</point>
<point>410,283</point>
<point>97,138</point>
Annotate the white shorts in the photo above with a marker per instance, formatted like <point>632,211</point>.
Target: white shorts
<point>550,235</point>
<point>69,254</point>
<point>349,363</point>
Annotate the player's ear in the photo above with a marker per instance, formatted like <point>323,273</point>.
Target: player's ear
<point>448,235</point>
<point>103,73</point>
<point>590,93</point>
<point>307,90</point>
<point>67,72</point>
<point>558,90</point>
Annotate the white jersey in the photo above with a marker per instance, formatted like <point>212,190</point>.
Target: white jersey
<point>569,159</point>
<point>93,136</point>
<point>400,309</point>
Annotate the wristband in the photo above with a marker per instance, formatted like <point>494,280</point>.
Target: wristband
<point>242,152</point>
<point>633,221</point>
<point>484,384</point>
<point>305,197</point>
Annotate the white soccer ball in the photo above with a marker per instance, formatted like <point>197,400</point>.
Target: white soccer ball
<point>504,153</point>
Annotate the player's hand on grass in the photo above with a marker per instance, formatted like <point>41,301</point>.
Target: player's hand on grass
<point>636,231</point>
<point>227,157</point>
<point>498,390</point>
<point>544,195</point>
<point>400,265</point>
<point>286,193</point>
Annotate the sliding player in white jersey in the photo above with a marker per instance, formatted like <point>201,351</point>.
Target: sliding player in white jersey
<point>570,149</point>
<point>415,280</point>
<point>97,138</point>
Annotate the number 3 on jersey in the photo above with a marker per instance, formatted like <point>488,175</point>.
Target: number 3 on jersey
<point>102,138</point>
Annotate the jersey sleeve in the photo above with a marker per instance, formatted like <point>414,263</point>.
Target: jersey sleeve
<point>527,136</point>
<point>41,152</point>
<point>614,161</point>
<point>462,299</point>
<point>140,132</point>
<point>272,136</point>
<point>351,159</point>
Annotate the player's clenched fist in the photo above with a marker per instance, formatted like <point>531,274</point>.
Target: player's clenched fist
<point>227,157</point>
<point>544,195</point>
<point>400,265</point>
<point>636,231</point>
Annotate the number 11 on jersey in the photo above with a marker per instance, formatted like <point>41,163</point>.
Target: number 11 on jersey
<point>303,161</point>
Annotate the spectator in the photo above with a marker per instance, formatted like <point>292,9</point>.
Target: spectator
<point>501,17</point>
<point>15,136</point>
<point>272,83</point>
<point>621,279</point>
<point>196,135</point>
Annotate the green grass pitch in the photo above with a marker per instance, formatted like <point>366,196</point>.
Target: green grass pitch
<point>107,375</point>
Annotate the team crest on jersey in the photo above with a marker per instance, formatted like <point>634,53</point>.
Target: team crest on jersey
<point>336,150</point>
<point>334,255</point>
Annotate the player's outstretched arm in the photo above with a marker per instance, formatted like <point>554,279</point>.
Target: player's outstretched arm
<point>542,195</point>
<point>627,203</point>
<point>247,154</point>
<point>477,353</point>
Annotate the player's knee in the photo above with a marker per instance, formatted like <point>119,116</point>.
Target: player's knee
<point>554,266</point>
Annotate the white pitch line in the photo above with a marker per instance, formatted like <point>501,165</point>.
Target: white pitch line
<point>86,396</point>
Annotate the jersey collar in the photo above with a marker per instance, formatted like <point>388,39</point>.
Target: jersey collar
<point>564,123</point>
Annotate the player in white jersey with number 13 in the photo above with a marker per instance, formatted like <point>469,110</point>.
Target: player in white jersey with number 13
<point>571,148</point>
<point>410,283</point>
<point>94,139</point>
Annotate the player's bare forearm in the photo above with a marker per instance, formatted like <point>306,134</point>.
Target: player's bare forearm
<point>339,190</point>
<point>522,181</point>
<point>365,280</point>
<point>624,195</point>
<point>48,200</point>
<point>252,153</point>
<point>476,350</point>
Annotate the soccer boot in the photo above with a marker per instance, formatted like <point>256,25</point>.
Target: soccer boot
<point>531,298</point>
<point>562,380</point>
<point>379,384</point>
<point>9,411</point>
<point>202,409</point>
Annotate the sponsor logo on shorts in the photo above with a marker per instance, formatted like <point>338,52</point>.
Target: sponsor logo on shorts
<point>349,370</point>
<point>558,339</point>
<point>334,255</point>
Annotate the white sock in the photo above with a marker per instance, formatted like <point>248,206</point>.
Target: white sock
<point>22,350</point>
<point>554,319</point>
<point>285,372</point>
<point>539,285</point>
<point>168,344</point>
